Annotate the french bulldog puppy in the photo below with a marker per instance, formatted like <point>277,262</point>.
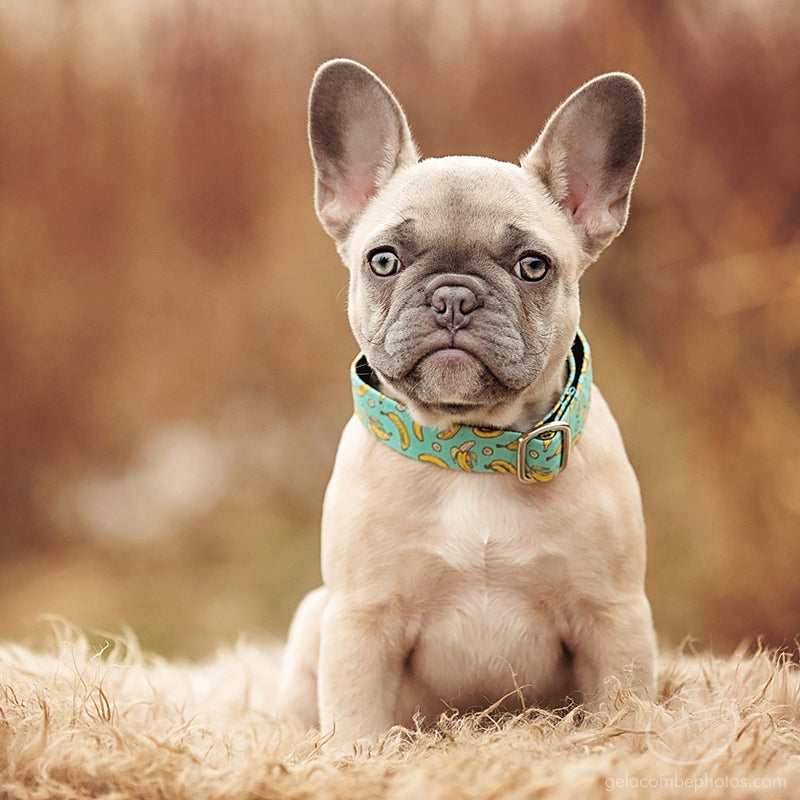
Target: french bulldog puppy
<point>465,562</point>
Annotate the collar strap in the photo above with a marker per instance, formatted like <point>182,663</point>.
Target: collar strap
<point>535,456</point>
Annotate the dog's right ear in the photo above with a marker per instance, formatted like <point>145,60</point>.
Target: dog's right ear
<point>359,137</point>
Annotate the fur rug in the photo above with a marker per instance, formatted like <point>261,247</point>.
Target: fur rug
<point>75,723</point>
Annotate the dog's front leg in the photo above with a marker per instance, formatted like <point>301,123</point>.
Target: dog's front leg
<point>619,645</point>
<point>362,655</point>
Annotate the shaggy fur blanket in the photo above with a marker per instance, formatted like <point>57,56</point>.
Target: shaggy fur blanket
<point>113,723</point>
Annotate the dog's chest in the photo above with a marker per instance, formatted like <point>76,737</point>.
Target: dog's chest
<point>488,536</point>
<point>493,604</point>
<point>492,572</point>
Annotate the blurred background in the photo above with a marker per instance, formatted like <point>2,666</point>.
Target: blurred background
<point>172,320</point>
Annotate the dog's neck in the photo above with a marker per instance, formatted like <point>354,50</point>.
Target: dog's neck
<point>535,453</point>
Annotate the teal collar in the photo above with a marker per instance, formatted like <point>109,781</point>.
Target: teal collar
<point>536,456</point>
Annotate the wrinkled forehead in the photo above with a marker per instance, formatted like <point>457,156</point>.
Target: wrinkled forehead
<point>464,201</point>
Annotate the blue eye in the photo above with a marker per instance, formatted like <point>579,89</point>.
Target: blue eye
<point>531,267</point>
<point>384,263</point>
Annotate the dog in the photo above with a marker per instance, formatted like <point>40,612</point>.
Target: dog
<point>482,537</point>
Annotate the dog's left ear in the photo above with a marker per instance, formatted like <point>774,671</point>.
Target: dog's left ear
<point>588,154</point>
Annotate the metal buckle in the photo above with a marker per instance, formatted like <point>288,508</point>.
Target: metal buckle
<point>523,473</point>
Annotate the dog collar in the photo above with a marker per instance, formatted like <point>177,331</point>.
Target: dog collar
<point>535,456</point>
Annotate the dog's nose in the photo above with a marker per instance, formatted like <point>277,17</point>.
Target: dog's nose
<point>453,305</point>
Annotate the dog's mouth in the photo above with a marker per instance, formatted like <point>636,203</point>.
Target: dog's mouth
<point>452,377</point>
<point>448,358</point>
<point>445,347</point>
<point>451,366</point>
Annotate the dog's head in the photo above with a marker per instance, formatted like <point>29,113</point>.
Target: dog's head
<point>464,270</point>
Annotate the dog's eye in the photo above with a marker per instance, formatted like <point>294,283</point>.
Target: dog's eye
<point>384,263</point>
<point>531,267</point>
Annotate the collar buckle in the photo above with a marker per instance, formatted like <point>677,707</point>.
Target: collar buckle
<point>543,433</point>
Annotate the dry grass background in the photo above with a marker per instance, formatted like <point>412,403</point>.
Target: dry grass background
<point>166,293</point>
<point>79,724</point>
